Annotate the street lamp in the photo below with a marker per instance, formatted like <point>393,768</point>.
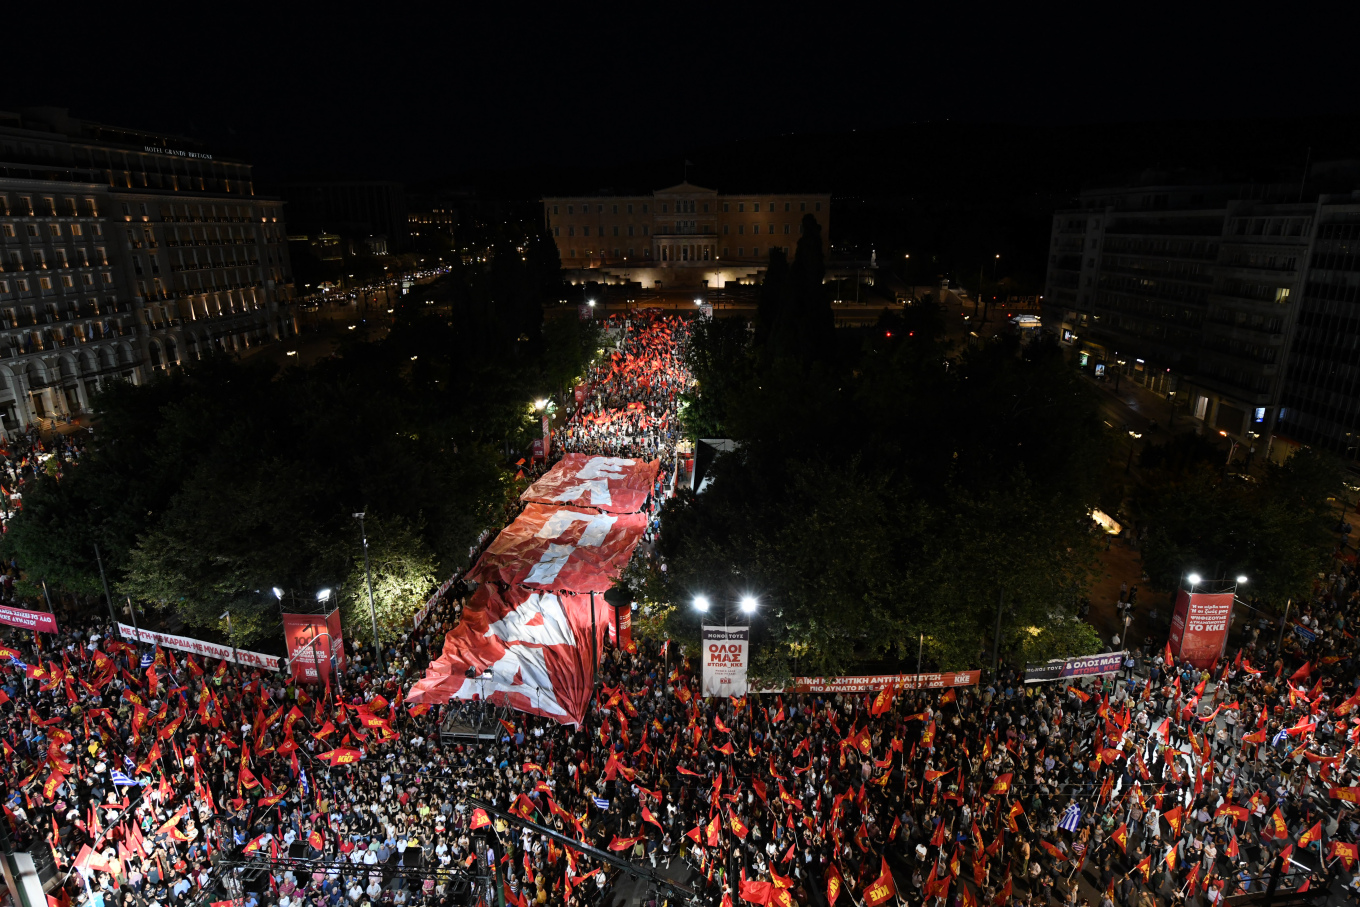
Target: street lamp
<point>1241,580</point>
<point>701,604</point>
<point>540,403</point>
<point>278,593</point>
<point>324,595</point>
<point>368,576</point>
<point>748,604</point>
<point>1194,579</point>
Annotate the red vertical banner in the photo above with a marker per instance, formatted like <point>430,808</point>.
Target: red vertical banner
<point>1199,626</point>
<point>623,624</point>
<point>580,393</point>
<point>315,644</point>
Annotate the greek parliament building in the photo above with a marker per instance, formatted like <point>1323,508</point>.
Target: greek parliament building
<point>123,252</point>
<point>684,236</point>
<point>1239,302</point>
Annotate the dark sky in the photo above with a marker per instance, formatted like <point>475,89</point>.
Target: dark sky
<point>384,89</point>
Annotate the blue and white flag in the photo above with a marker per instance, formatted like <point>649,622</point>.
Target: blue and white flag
<point>14,662</point>
<point>148,659</point>
<point>601,802</point>
<point>1071,819</point>
<point>127,760</point>
<point>302,779</point>
<point>121,780</point>
<point>1284,732</point>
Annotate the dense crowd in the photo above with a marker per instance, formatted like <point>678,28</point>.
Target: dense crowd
<point>1158,785</point>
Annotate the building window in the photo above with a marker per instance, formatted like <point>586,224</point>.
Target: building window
<point>32,229</point>
<point>8,230</point>
<point>663,209</point>
<point>705,207</point>
<point>802,206</point>
<point>771,230</point>
<point>819,206</point>
<point>741,251</point>
<point>630,209</point>
<point>755,251</point>
<point>615,209</point>
<point>755,228</point>
<point>786,207</point>
<point>77,230</point>
<point>616,253</point>
<point>599,209</point>
<point>786,229</point>
<point>644,229</point>
<point>644,208</point>
<point>616,231</point>
<point>554,209</point>
<point>741,229</point>
<point>45,283</point>
<point>726,229</point>
<point>571,230</point>
<point>646,253</point>
<point>572,254</point>
<point>570,209</point>
<point>557,231</point>
<point>630,229</point>
<point>726,207</point>
<point>741,206</point>
<point>630,252</point>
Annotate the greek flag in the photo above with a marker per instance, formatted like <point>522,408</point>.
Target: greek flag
<point>148,659</point>
<point>1284,732</point>
<point>127,760</point>
<point>121,780</point>
<point>601,802</point>
<point>1071,819</point>
<point>23,666</point>
<point>302,779</point>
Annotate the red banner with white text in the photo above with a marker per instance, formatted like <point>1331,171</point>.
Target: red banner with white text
<point>537,646</point>
<point>1199,626</point>
<point>316,648</point>
<point>561,549</point>
<point>28,620</point>
<point>867,683</point>
<point>611,484</point>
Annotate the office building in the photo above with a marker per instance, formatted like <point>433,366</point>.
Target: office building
<point>684,236</point>
<point>122,252</point>
<point>1236,301</point>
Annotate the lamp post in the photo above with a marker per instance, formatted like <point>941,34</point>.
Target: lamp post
<point>368,576</point>
<point>231,637</point>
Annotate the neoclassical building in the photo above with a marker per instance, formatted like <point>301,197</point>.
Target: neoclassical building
<point>124,252</point>
<point>684,236</point>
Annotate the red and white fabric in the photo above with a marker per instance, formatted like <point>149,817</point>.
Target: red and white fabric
<point>611,484</point>
<point>561,549</point>
<point>536,645</point>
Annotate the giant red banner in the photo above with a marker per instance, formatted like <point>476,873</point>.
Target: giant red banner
<point>561,549</point>
<point>611,484</point>
<point>1199,626</point>
<point>316,649</point>
<point>537,646</point>
<point>28,620</point>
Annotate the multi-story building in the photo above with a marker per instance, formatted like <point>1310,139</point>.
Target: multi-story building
<point>122,252</point>
<point>1238,301</point>
<point>684,236</point>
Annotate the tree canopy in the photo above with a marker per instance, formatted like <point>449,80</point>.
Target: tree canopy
<point>884,492</point>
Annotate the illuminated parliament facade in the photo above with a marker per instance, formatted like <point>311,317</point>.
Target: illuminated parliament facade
<point>684,236</point>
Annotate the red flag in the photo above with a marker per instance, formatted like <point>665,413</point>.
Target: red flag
<point>834,884</point>
<point>881,889</point>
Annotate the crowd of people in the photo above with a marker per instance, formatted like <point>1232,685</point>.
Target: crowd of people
<point>136,766</point>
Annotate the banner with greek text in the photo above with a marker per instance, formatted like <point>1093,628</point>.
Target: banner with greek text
<point>28,620</point>
<point>724,653</point>
<point>869,683</point>
<point>199,647</point>
<point>1078,666</point>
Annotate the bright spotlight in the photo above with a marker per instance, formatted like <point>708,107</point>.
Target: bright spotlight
<point>748,604</point>
<point>1242,579</point>
<point>700,603</point>
<point>324,595</point>
<point>1194,579</point>
<point>278,593</point>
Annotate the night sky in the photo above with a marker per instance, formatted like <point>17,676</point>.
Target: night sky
<point>392,91</point>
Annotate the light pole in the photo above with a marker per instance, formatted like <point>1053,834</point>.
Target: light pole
<point>231,637</point>
<point>368,576</point>
<point>107,598</point>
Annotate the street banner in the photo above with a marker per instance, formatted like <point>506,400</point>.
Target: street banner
<point>561,549</point>
<point>869,683</point>
<point>1077,666</point>
<point>725,658</point>
<point>537,646</point>
<point>1199,626</point>
<point>611,484</point>
<point>200,647</point>
<point>316,645</point>
<point>579,392</point>
<point>424,611</point>
<point>28,620</point>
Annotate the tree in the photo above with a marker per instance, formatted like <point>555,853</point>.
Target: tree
<point>404,571</point>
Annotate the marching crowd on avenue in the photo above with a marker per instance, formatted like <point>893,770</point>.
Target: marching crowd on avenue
<point>136,766</point>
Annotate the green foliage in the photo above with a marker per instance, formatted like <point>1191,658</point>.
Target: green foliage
<point>404,570</point>
<point>1060,639</point>
<point>1275,531</point>
<point>720,359</point>
<point>889,497</point>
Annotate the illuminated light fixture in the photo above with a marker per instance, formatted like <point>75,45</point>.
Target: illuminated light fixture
<point>540,403</point>
<point>1241,579</point>
<point>700,603</point>
<point>278,593</point>
<point>748,604</point>
<point>1194,579</point>
<point>324,595</point>
<point>352,327</point>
